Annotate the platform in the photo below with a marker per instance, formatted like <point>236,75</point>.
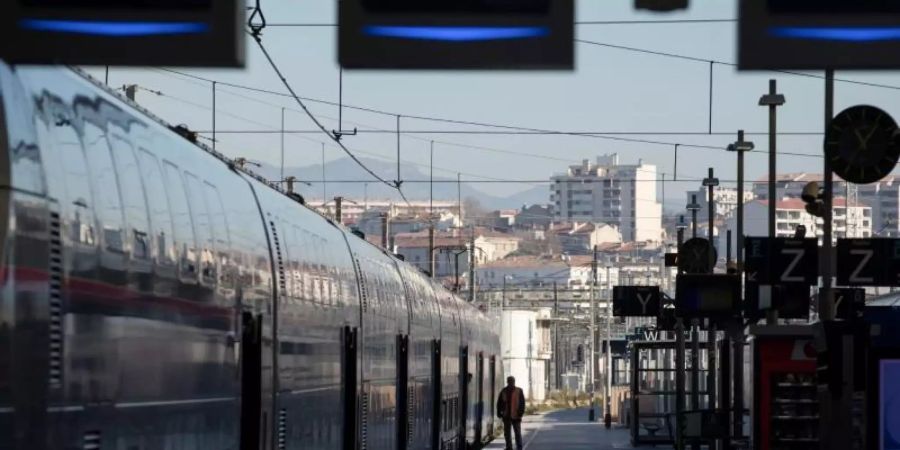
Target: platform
<point>568,430</point>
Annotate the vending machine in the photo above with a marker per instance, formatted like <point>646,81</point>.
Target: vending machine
<point>883,375</point>
<point>785,405</point>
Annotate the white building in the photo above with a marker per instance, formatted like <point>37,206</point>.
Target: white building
<point>580,238</point>
<point>525,341</point>
<point>623,196</point>
<point>855,221</point>
<point>725,197</point>
<point>353,209</point>
<point>535,271</point>
<point>490,246</point>
<point>882,196</point>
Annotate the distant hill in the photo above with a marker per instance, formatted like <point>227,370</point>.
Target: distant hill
<point>341,178</point>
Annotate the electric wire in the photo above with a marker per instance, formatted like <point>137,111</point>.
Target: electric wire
<point>312,117</point>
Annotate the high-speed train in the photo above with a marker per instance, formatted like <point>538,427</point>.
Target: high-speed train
<point>154,295</point>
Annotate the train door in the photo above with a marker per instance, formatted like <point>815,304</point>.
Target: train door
<point>464,379</point>
<point>479,402</point>
<point>492,368</point>
<point>251,380</point>
<point>349,381</point>
<point>436,397</point>
<point>402,392</point>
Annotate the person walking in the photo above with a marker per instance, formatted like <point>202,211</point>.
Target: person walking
<point>511,408</point>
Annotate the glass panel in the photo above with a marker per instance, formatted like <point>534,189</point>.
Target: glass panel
<point>158,205</point>
<point>203,229</point>
<point>106,187</point>
<point>132,198</point>
<point>183,226</point>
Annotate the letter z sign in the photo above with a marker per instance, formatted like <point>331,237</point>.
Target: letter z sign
<point>868,262</point>
<point>781,260</point>
<point>636,301</point>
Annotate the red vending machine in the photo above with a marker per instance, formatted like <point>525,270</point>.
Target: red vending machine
<point>785,405</point>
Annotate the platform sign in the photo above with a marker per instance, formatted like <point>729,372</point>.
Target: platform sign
<point>707,296</point>
<point>781,260</point>
<point>819,34</point>
<point>868,262</point>
<point>453,34</point>
<point>636,301</point>
<point>124,32</point>
<point>849,303</point>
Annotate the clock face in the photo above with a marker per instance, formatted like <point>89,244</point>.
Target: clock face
<point>862,144</point>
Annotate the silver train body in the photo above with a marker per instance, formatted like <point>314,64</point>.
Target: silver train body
<point>154,296</point>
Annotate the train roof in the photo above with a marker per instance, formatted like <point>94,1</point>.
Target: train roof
<point>232,165</point>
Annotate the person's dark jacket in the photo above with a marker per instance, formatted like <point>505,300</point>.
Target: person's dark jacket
<point>507,396</point>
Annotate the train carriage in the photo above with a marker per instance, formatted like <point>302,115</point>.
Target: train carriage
<point>155,295</point>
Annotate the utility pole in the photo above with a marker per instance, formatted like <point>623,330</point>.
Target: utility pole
<point>472,266</point>
<point>711,334</point>
<point>679,358</point>
<point>431,261</point>
<point>607,419</point>
<point>593,355</point>
<point>740,146</point>
<point>773,100</point>
<point>384,230</point>
<point>281,177</point>
<point>338,214</point>
<point>556,372</point>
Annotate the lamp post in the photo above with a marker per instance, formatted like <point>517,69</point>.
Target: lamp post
<point>740,146</point>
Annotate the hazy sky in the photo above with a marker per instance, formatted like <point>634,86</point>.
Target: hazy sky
<point>611,90</point>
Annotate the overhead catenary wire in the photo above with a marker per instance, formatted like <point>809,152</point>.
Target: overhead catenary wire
<point>482,124</point>
<point>287,85</point>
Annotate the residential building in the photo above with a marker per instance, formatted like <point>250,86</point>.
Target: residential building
<point>353,209</point>
<point>369,222</point>
<point>855,221</point>
<point>451,249</point>
<point>725,197</point>
<point>534,217</point>
<point>882,196</point>
<point>580,238</point>
<point>527,349</point>
<point>541,271</point>
<point>604,191</point>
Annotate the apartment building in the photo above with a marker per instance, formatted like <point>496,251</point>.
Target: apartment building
<point>882,196</point>
<point>725,198</point>
<point>605,191</point>
<point>852,221</point>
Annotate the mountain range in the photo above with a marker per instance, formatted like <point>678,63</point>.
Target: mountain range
<point>346,178</point>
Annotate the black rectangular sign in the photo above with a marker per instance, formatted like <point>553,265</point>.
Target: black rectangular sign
<point>636,301</point>
<point>781,260</point>
<point>818,34</point>
<point>453,34</point>
<point>200,33</point>
<point>705,295</point>
<point>868,262</point>
<point>849,303</point>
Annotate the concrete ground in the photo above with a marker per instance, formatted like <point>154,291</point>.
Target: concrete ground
<point>568,430</point>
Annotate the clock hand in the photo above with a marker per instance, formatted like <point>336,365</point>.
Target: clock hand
<point>872,132</point>
<point>862,141</point>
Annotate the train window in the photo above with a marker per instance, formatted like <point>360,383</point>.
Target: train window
<point>77,187</point>
<point>106,187</point>
<point>222,234</point>
<point>158,205</point>
<point>183,227</point>
<point>203,229</point>
<point>132,197</point>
